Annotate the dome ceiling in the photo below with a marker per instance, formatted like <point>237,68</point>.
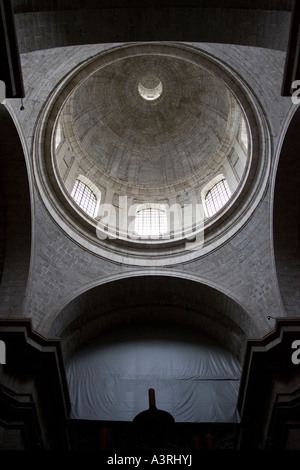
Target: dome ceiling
<point>150,120</point>
<point>149,127</point>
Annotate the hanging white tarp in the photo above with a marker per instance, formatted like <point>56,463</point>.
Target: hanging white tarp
<point>194,379</point>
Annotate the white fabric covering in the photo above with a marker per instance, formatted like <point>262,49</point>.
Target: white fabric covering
<point>195,379</point>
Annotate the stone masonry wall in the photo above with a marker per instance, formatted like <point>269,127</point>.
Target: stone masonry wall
<point>243,268</point>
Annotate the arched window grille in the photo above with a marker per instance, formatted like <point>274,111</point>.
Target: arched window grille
<point>84,197</point>
<point>151,221</point>
<point>217,197</point>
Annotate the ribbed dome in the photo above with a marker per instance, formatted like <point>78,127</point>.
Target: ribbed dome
<point>151,120</point>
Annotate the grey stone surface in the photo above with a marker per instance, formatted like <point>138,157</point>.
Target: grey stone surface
<point>243,268</point>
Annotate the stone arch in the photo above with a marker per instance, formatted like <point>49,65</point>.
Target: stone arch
<point>15,219</point>
<point>154,300</point>
<point>286,218</point>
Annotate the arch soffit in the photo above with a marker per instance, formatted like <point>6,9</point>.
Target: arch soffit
<point>182,300</point>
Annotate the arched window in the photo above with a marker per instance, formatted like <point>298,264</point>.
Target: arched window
<point>244,134</point>
<point>151,221</point>
<point>217,197</point>
<point>58,135</point>
<point>84,197</point>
